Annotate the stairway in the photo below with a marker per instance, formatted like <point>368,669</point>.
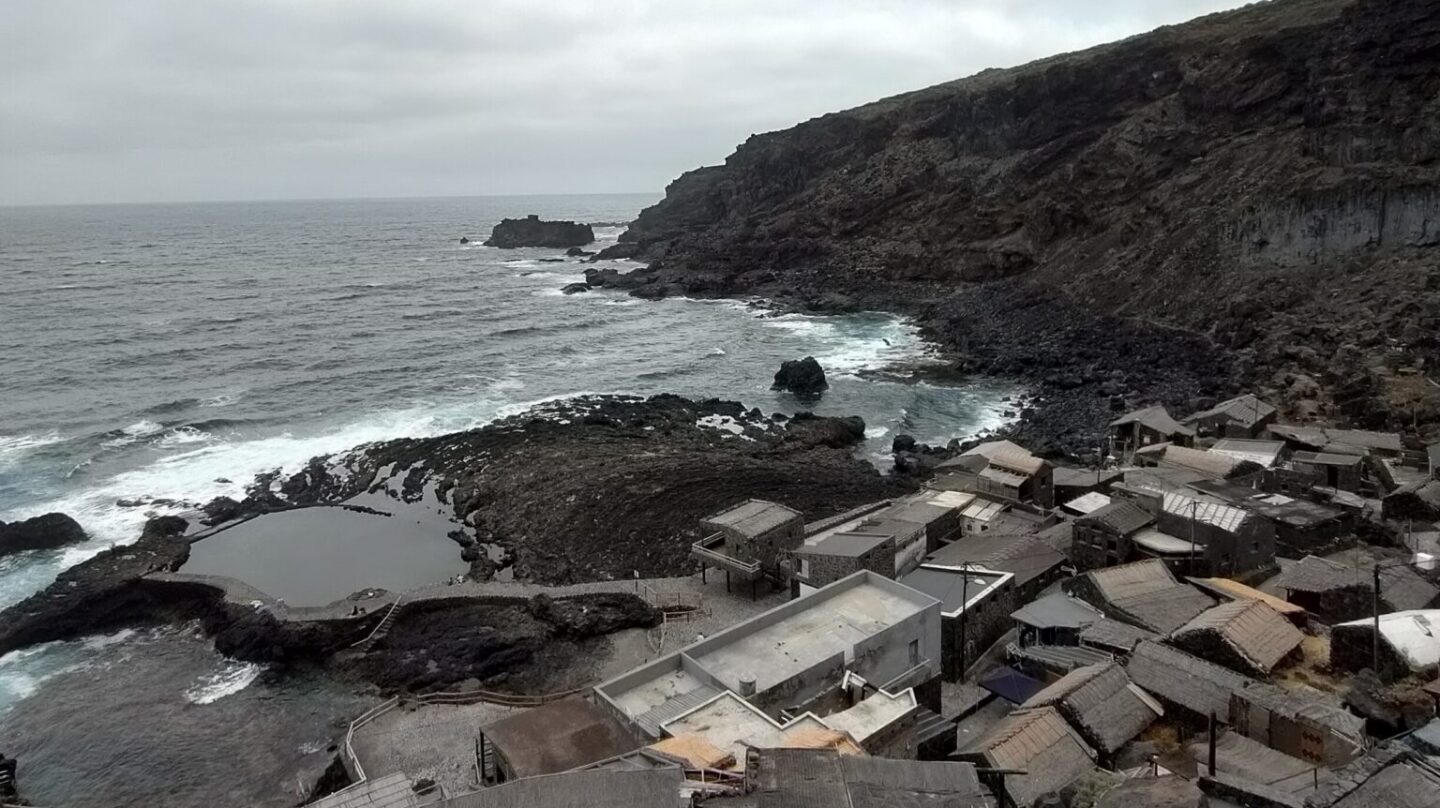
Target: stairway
<point>931,729</point>
<point>381,629</point>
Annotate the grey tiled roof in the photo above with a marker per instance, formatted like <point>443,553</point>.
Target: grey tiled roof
<point>822,778</point>
<point>594,788</point>
<point>1254,630</point>
<point>1041,743</point>
<point>1102,703</point>
<point>1115,634</point>
<point>1315,574</point>
<point>1182,679</point>
<point>1025,556</point>
<point>1121,515</point>
<point>1145,593</point>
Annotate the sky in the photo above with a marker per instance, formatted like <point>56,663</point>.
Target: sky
<point>176,100</point>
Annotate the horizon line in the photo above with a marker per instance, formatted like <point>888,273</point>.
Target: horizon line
<point>17,205</point>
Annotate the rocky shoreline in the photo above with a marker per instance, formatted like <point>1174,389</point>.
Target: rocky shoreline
<point>598,488</point>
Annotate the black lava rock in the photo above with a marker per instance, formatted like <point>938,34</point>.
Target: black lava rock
<point>803,377</point>
<point>40,533</point>
<point>531,231</point>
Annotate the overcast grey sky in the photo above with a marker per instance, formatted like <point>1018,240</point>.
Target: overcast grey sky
<point>166,100</point>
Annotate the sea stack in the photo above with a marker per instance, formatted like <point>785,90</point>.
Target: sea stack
<point>532,231</point>
<point>803,377</point>
<point>40,533</point>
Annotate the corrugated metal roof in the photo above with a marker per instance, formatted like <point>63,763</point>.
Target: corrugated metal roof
<point>1062,657</point>
<point>1226,517</point>
<point>1327,459</point>
<point>1263,452</point>
<point>1258,632</point>
<point>849,544</point>
<point>982,510</point>
<point>1006,478</point>
<point>1211,464</point>
<point>1088,503</point>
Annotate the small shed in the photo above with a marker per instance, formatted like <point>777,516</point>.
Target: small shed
<point>1102,703</point>
<point>1055,619</point>
<point>556,737</point>
<point>1146,427</point>
<point>1038,742</point>
<point>1244,635</point>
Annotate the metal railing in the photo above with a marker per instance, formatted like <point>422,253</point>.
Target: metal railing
<point>384,621</point>
<point>702,548</point>
<point>515,700</point>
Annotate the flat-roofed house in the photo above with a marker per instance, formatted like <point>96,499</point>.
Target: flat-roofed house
<point>806,656</point>
<point>975,606</point>
<point>1055,619</point>
<point>838,555</point>
<point>1244,416</point>
<point>553,738</point>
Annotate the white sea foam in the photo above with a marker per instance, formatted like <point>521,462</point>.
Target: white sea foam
<point>15,447</point>
<point>183,435</point>
<point>234,677</point>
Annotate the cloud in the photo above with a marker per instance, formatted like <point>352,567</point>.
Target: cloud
<point>153,100</point>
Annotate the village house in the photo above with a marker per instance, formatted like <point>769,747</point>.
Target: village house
<point>1055,619</point>
<point>1343,472</point>
<point>800,778</point>
<point>1185,682</point>
<point>1337,592</point>
<point>865,644</point>
<point>1038,742</point>
<point>1243,416</point>
<point>1146,427</point>
<point>553,738</point>
<point>979,516</point>
<point>1114,637</point>
<point>1228,589</point>
<point>1071,482</point>
<point>1143,593</point>
<point>1244,635</point>
<point>839,555</point>
<point>1408,644</point>
<point>1198,533</point>
<point>1102,537</point>
<point>1432,456</point>
<point>1304,723</point>
<point>1102,704</point>
<point>1264,453</point>
<point>975,607</point>
<point>1340,441</point>
<point>1035,564</point>
<point>1002,471</point>
<point>1300,526</point>
<point>1207,465</point>
<point>749,540</point>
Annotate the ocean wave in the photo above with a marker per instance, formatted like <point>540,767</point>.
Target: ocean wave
<point>14,447</point>
<point>183,435</point>
<point>222,400</point>
<point>118,438</point>
<point>234,677</point>
<point>171,406</point>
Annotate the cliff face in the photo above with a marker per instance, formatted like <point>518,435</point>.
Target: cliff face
<point>1265,179</point>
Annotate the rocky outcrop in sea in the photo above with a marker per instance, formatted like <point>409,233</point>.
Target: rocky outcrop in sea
<point>46,532</point>
<point>532,231</point>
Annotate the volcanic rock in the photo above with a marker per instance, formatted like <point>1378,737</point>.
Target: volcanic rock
<point>532,231</point>
<point>803,377</point>
<point>40,533</point>
<point>1148,206</point>
<point>575,288</point>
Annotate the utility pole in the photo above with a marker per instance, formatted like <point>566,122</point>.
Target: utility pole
<point>1194,505</point>
<point>1375,640</point>
<point>964,610</point>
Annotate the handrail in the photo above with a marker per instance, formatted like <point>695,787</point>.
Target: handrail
<point>456,698</point>
<point>376,629</point>
<point>700,549</point>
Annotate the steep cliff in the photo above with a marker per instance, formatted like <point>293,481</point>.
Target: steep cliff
<point>1262,183</point>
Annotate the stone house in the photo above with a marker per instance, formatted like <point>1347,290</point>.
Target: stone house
<point>1243,416</point>
<point>842,554</point>
<point>975,607</point>
<point>1146,427</point>
<point>1143,593</point>
<point>1244,635</point>
<point>1002,471</point>
<point>1306,724</point>
<point>1102,538</point>
<point>750,540</point>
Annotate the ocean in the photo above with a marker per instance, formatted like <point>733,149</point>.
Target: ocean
<point>172,352</point>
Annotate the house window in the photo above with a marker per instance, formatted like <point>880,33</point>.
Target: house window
<point>914,653</point>
<point>804,568</point>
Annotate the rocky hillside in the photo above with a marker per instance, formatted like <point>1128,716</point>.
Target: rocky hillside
<point>1261,183</point>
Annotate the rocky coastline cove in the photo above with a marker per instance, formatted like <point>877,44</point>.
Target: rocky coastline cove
<point>523,475</point>
<point>1091,401</point>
